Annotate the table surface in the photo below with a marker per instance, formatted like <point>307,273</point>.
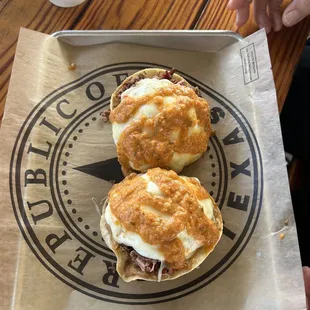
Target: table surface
<point>285,46</point>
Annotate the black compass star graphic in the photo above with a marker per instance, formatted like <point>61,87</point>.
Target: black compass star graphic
<point>108,170</point>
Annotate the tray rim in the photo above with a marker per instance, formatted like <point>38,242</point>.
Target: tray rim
<point>77,33</point>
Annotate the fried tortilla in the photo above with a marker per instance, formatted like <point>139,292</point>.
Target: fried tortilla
<point>159,225</point>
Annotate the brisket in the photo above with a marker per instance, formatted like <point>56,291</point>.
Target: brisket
<point>168,75</point>
<point>148,265</point>
<point>132,81</point>
<point>105,115</point>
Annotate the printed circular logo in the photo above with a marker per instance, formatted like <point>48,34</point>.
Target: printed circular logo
<point>64,163</point>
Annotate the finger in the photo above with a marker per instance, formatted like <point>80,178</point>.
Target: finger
<point>275,14</point>
<point>306,271</point>
<point>242,16</point>
<point>237,4</point>
<point>260,14</point>
<point>295,12</point>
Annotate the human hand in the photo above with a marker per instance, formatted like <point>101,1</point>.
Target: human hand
<point>267,13</point>
<point>306,271</point>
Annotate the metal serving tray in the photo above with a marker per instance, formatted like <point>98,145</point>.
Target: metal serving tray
<point>190,40</point>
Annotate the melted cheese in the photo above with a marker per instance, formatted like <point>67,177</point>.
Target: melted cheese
<point>121,236</point>
<point>179,161</point>
<point>144,87</point>
<point>152,187</point>
<point>148,110</point>
<point>189,243</point>
<point>207,206</point>
<point>132,239</point>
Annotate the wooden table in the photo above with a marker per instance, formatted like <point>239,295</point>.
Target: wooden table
<point>285,46</point>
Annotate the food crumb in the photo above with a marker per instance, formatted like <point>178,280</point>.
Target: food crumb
<point>72,67</point>
<point>282,236</point>
<point>286,222</point>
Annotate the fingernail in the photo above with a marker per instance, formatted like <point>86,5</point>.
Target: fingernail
<point>229,4</point>
<point>291,18</point>
<point>238,21</point>
<point>277,28</point>
<point>277,25</point>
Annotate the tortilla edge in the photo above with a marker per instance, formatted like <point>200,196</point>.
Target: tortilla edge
<point>147,73</point>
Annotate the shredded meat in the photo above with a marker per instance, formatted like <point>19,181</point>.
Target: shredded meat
<point>167,271</point>
<point>168,74</point>
<point>182,82</point>
<point>146,264</point>
<point>133,81</point>
<point>105,115</point>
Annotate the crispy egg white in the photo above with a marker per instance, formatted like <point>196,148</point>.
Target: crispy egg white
<point>128,238</point>
<point>149,86</point>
